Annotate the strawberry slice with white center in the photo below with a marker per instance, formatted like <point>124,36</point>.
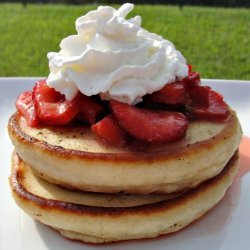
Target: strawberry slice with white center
<point>52,107</point>
<point>25,106</point>
<point>150,126</point>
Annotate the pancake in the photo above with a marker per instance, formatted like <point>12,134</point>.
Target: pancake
<point>74,157</point>
<point>101,218</point>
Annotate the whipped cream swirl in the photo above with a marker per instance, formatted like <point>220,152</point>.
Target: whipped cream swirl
<point>114,57</point>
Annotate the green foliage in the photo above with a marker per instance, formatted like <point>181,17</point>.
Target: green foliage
<point>215,40</point>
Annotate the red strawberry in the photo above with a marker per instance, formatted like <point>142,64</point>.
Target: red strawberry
<point>52,107</point>
<point>193,79</point>
<point>150,126</point>
<point>216,110</point>
<point>109,130</point>
<point>25,107</point>
<point>190,67</point>
<point>172,93</point>
<point>199,96</point>
<point>89,109</point>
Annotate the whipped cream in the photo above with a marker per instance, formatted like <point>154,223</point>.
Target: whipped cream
<point>114,57</point>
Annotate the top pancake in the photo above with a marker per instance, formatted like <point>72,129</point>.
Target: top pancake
<point>74,157</point>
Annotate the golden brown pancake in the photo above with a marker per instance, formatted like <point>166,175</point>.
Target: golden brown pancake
<point>74,157</point>
<point>101,218</point>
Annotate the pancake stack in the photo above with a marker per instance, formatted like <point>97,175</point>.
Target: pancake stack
<point>67,179</point>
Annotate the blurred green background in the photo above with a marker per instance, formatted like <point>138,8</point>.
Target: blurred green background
<point>216,41</point>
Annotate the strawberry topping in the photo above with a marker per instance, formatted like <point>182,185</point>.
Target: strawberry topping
<point>150,126</point>
<point>130,126</point>
<point>193,79</point>
<point>199,96</point>
<point>25,107</point>
<point>190,67</point>
<point>52,107</point>
<point>172,93</point>
<point>109,130</point>
<point>216,110</point>
<point>89,109</point>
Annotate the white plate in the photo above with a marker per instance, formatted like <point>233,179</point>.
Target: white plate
<point>226,227</point>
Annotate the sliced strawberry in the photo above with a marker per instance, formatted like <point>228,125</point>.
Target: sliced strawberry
<point>199,96</point>
<point>89,109</point>
<point>109,130</point>
<point>25,106</point>
<point>190,67</point>
<point>150,126</point>
<point>216,110</point>
<point>52,107</point>
<point>172,93</point>
<point>193,79</point>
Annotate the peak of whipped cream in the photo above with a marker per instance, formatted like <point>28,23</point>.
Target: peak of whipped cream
<point>114,57</point>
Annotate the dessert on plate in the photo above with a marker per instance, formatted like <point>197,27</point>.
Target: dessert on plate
<point>121,141</point>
